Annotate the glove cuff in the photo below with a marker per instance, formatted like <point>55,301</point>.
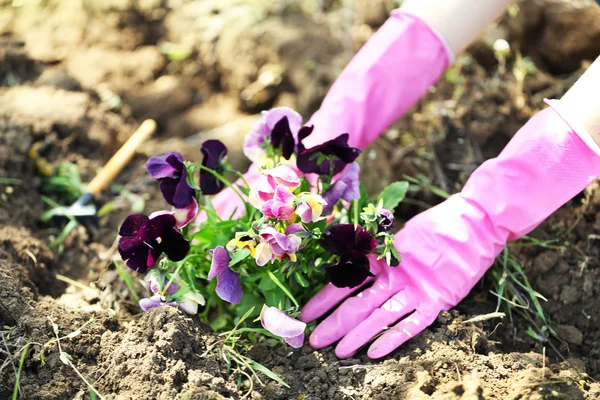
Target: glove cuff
<point>443,42</point>
<point>583,133</point>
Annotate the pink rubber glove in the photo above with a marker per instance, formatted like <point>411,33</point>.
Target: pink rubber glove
<point>446,249</point>
<point>390,73</point>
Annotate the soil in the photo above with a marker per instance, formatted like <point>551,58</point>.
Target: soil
<point>81,76</point>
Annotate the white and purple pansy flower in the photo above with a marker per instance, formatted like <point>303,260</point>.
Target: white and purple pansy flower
<point>283,124</point>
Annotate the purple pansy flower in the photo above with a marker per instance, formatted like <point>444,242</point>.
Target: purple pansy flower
<point>385,220</point>
<point>281,206</point>
<point>318,159</point>
<point>229,286</point>
<point>144,239</point>
<point>213,152</point>
<point>156,301</point>
<point>280,324</point>
<point>188,305</point>
<point>353,246</point>
<point>170,171</point>
<point>346,187</point>
<point>254,143</point>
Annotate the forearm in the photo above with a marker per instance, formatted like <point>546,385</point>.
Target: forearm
<point>459,22</point>
<point>582,101</point>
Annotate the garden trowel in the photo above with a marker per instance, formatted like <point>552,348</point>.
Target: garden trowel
<point>84,209</point>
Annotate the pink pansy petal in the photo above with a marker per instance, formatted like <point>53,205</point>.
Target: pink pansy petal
<point>283,195</point>
<point>296,342</point>
<point>271,234</point>
<point>279,323</point>
<point>266,209</point>
<point>284,175</point>
<point>304,211</point>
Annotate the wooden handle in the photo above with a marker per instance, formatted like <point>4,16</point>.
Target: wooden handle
<point>121,158</point>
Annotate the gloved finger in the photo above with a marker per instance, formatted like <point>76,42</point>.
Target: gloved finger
<point>381,318</point>
<point>400,333</point>
<point>327,298</point>
<point>352,312</point>
<point>330,296</point>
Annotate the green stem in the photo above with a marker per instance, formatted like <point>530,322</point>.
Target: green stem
<point>172,278</point>
<point>211,212</point>
<point>222,179</point>
<point>242,177</point>
<point>18,377</point>
<point>355,208</point>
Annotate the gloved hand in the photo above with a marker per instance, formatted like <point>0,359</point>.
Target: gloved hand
<point>446,249</point>
<point>391,72</point>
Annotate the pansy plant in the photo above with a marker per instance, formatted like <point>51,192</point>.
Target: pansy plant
<point>307,221</point>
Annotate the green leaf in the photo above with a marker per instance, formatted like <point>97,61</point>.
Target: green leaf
<point>238,256</point>
<point>245,191</point>
<point>268,372</point>
<point>245,316</point>
<point>266,284</point>
<point>393,194</point>
<point>219,323</point>
<point>249,301</point>
<point>301,279</point>
<point>283,288</point>
<point>65,357</point>
<point>128,281</point>
<point>205,235</point>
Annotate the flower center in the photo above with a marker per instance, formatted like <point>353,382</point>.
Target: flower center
<point>159,240</point>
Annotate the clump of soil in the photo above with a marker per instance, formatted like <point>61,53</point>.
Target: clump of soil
<point>81,77</point>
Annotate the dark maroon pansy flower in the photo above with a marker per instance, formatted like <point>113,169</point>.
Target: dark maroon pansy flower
<point>214,151</point>
<point>352,245</point>
<point>318,159</point>
<point>172,174</point>
<point>143,240</point>
<point>282,136</point>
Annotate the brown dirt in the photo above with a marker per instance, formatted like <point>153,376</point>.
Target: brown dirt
<point>85,74</point>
